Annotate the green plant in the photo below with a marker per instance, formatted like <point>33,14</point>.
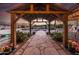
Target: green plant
<point>51,34</point>
<point>21,37</point>
<point>7,50</point>
<point>28,34</point>
<point>70,45</point>
<point>73,47</point>
<point>59,26</point>
<point>57,36</point>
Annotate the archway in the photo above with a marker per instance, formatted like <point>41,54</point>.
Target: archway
<point>39,24</point>
<point>31,14</point>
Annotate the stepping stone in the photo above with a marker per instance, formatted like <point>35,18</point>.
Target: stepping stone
<point>61,52</point>
<point>31,51</point>
<point>50,51</point>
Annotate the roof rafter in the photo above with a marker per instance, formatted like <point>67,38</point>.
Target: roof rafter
<point>40,12</point>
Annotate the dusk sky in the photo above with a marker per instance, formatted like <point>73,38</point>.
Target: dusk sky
<point>5,16</point>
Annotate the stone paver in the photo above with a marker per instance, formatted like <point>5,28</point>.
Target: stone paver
<point>40,44</point>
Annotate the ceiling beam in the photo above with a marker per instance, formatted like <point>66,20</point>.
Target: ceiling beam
<point>19,17</point>
<point>40,12</point>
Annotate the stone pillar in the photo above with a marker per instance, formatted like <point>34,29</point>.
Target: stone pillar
<point>13,30</point>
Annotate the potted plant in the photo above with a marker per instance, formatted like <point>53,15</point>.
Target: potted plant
<point>33,33</point>
<point>75,45</point>
<point>1,50</point>
<point>77,50</point>
<point>72,46</point>
<point>69,45</point>
<point>7,50</point>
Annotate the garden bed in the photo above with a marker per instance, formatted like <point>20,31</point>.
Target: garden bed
<point>73,47</point>
<point>57,36</point>
<point>21,38</point>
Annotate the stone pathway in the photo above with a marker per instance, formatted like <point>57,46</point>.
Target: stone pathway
<point>40,44</point>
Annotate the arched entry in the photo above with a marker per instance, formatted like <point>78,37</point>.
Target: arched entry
<point>34,12</point>
<point>39,24</point>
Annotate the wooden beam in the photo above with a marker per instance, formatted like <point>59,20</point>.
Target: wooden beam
<point>55,26</point>
<point>47,7</point>
<point>59,17</point>
<point>42,19</point>
<point>49,27</point>
<point>13,30</point>
<point>31,7</point>
<point>19,17</point>
<point>40,12</point>
<point>30,25</point>
<point>65,41</point>
<point>39,22</point>
<point>75,16</point>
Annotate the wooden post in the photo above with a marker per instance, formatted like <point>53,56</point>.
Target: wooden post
<point>30,27</point>
<point>47,7</point>
<point>49,27</point>
<point>42,19</point>
<point>55,26</point>
<point>31,7</point>
<point>13,30</point>
<point>65,41</point>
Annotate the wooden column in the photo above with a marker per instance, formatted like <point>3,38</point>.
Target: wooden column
<point>13,30</point>
<point>47,7</point>
<point>30,27</point>
<point>49,27</point>
<point>31,7</point>
<point>42,19</point>
<point>65,41</point>
<point>55,26</point>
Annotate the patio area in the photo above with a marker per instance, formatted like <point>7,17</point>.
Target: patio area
<point>41,44</point>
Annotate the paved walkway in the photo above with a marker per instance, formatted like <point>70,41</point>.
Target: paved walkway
<point>40,44</point>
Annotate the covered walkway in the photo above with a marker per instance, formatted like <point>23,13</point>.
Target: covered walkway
<point>40,44</point>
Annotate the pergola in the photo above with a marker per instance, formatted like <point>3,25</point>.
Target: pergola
<point>31,11</point>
